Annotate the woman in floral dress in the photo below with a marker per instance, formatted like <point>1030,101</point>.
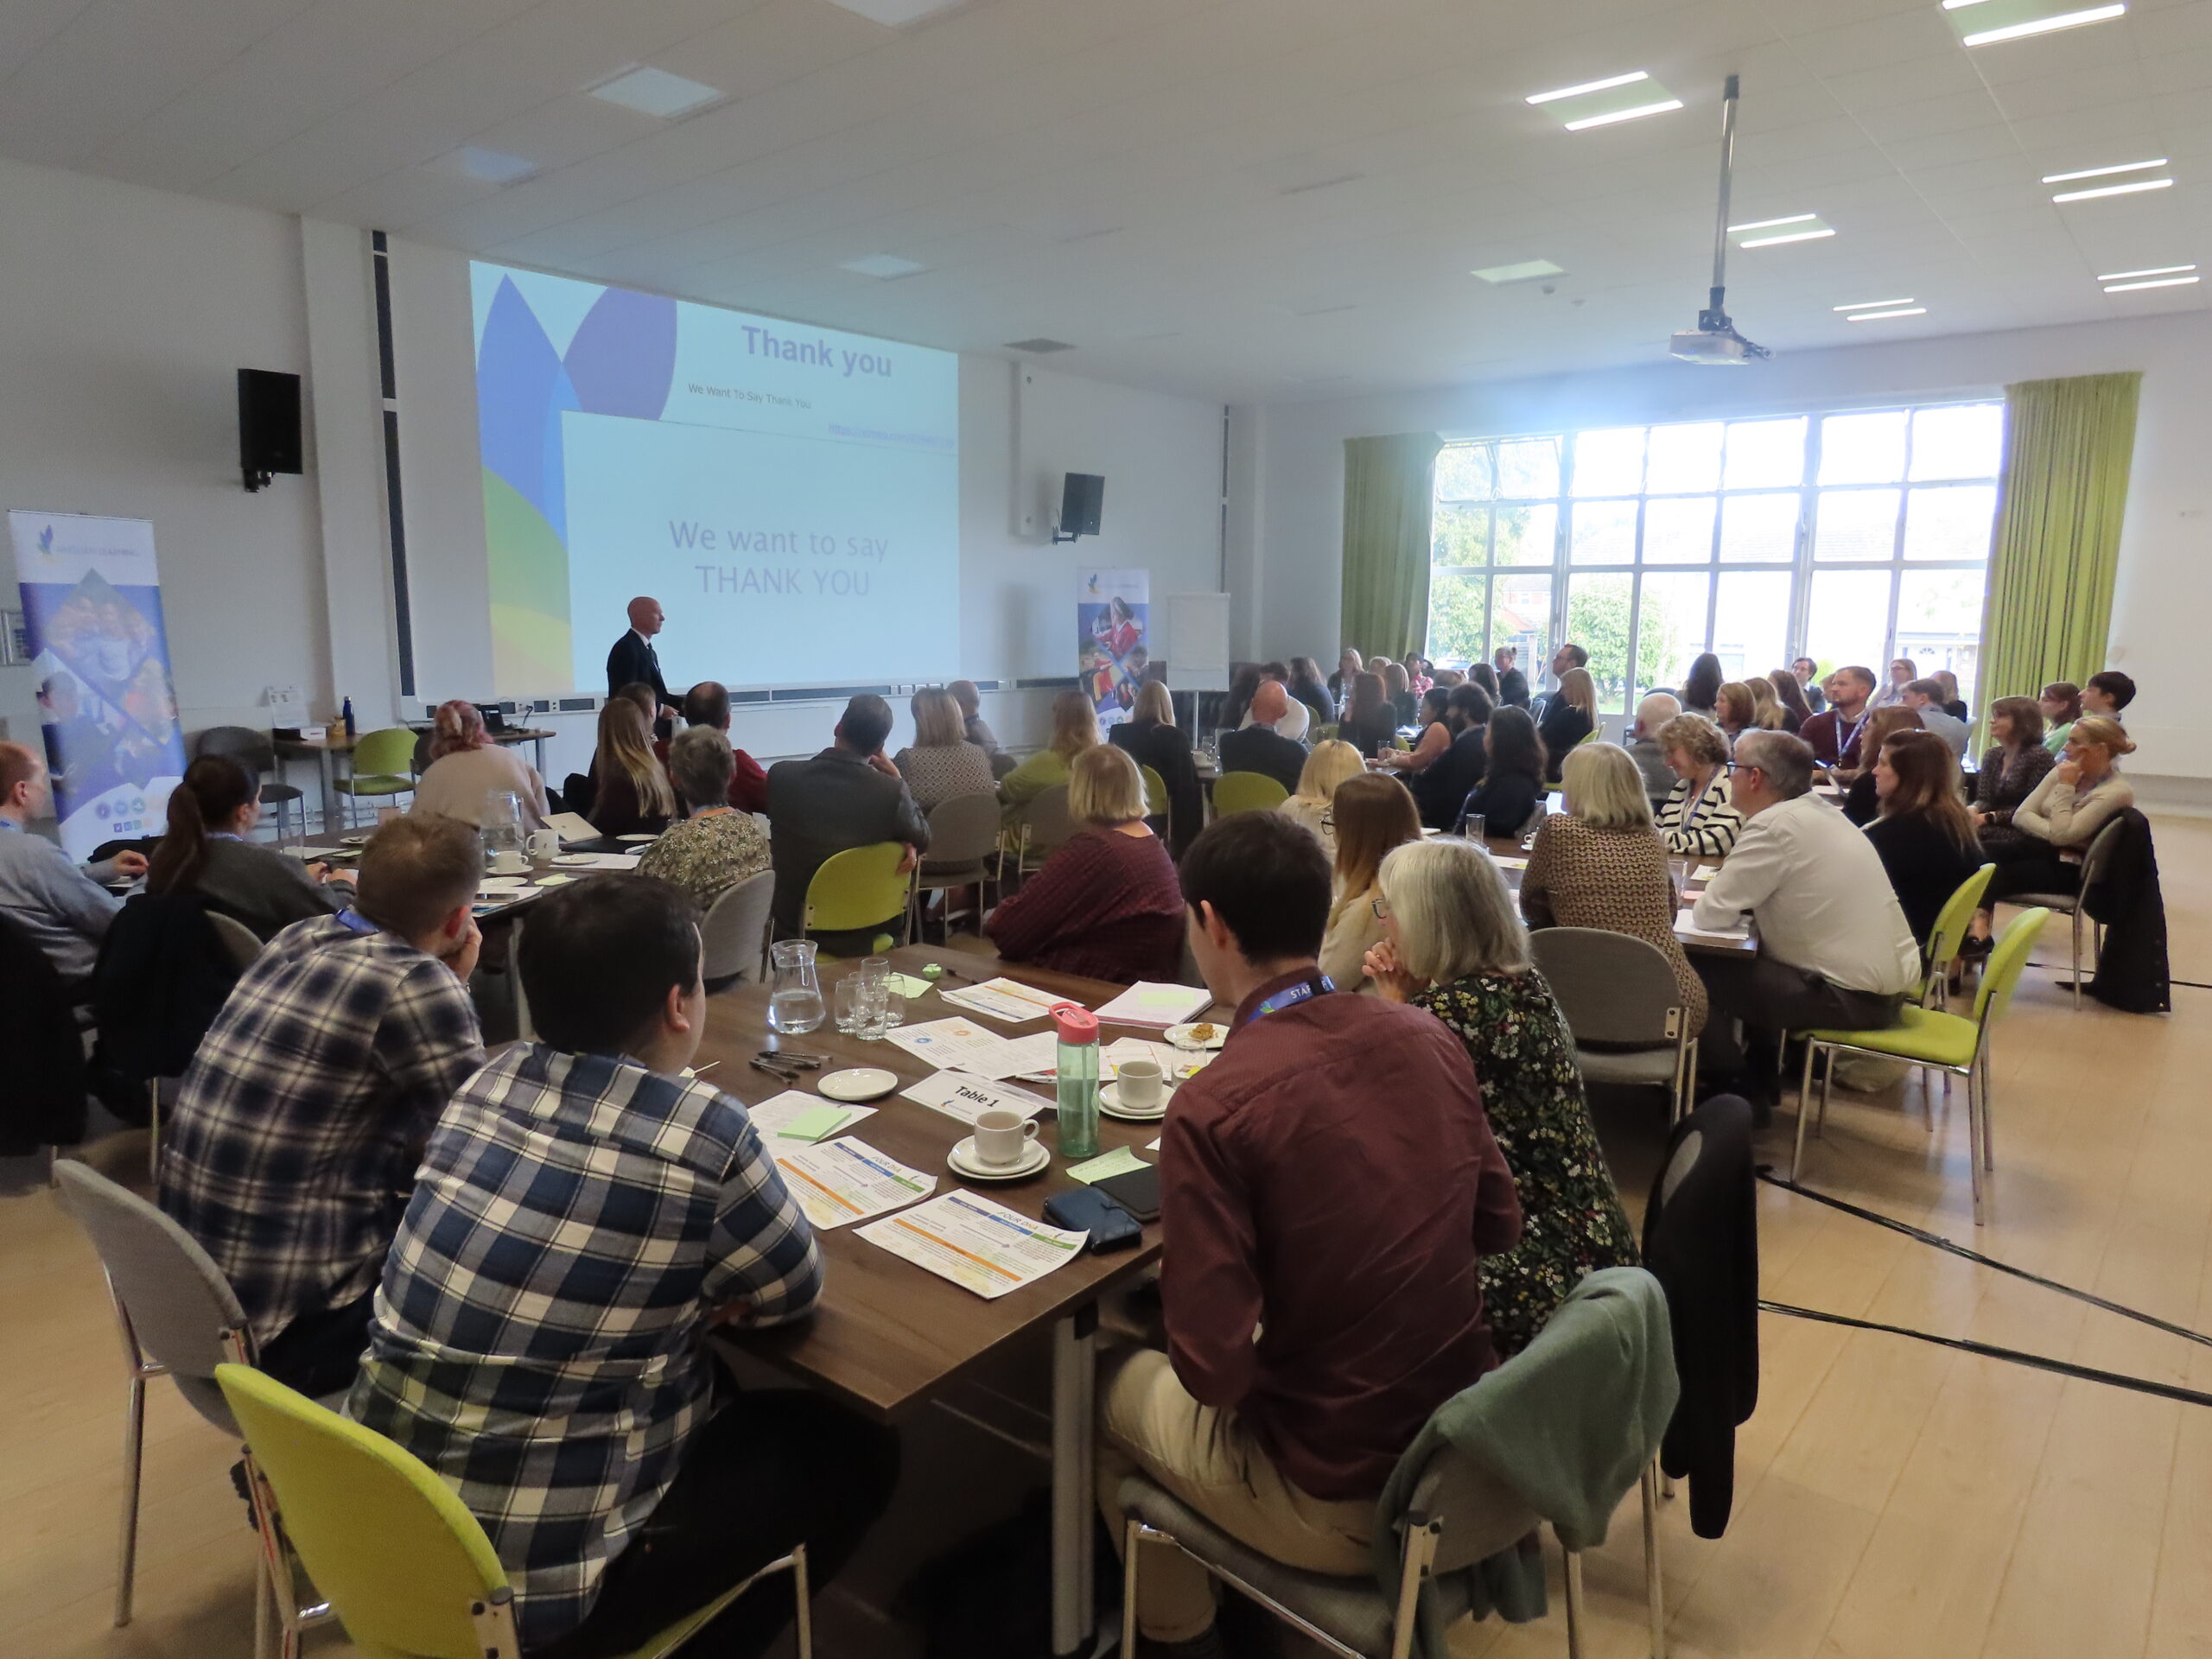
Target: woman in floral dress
<point>1452,945</point>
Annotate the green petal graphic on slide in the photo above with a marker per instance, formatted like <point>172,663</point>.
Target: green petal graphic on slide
<point>528,567</point>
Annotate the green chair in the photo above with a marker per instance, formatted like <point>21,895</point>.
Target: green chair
<point>1950,1043</point>
<point>859,887</point>
<point>383,766</point>
<point>1155,793</point>
<point>406,1566</point>
<point>1948,937</point>
<point>1247,792</point>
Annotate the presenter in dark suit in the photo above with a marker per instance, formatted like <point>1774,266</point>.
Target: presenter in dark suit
<point>633,660</point>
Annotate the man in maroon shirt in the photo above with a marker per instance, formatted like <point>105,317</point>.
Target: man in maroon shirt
<point>1328,1187</point>
<point>707,704</point>
<point>1834,733</point>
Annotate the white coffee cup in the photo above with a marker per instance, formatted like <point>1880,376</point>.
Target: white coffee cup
<point>507,861</point>
<point>1002,1137</point>
<point>1139,1083</point>
<point>544,845</point>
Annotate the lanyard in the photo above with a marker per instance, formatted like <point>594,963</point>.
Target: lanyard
<point>1844,747</point>
<point>1689,807</point>
<point>1291,995</point>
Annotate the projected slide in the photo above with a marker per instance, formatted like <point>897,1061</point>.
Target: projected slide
<point>791,495</point>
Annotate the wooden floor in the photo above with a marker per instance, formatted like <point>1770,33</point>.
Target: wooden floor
<point>1893,1499</point>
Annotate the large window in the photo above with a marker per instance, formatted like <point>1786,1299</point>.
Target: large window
<point>1849,538</point>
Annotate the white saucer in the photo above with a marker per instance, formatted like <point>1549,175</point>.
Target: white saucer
<point>1181,1036</point>
<point>963,1162</point>
<point>1109,1102</point>
<point>857,1083</point>
<point>637,838</point>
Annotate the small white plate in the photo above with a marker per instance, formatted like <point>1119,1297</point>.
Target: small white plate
<point>360,838</point>
<point>1109,1102</point>
<point>857,1083</point>
<point>637,838</point>
<point>961,1160</point>
<point>1185,1036</point>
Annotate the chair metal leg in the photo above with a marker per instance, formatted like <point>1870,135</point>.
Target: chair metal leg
<point>264,1593</point>
<point>1827,1084</point>
<point>134,1447</point>
<point>1804,1109</point>
<point>154,1132</point>
<point>1655,1592</point>
<point>1975,1109</point>
<point>2077,955</point>
<point>802,1593</point>
<point>1574,1603</point>
<point>1988,1128</point>
<point>1132,1531</point>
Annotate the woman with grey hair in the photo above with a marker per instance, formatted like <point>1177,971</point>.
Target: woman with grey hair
<point>1452,945</point>
<point>716,846</point>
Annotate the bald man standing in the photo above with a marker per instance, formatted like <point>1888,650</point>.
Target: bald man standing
<point>633,660</point>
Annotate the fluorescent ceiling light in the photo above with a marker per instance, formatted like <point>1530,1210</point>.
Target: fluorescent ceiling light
<point>1776,241</point>
<point>2045,25</point>
<point>2163,281</point>
<point>1526,270</point>
<point>2112,190</point>
<point>2101,172</point>
<point>1877,316</point>
<point>1624,115</point>
<point>1872,305</point>
<point>655,91</point>
<point>491,165</point>
<point>1605,85</point>
<point>898,14</point>
<point>1769,224</point>
<point>885,265</point>
<point>2155,271</point>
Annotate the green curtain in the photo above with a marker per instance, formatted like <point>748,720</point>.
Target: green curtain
<point>2067,448</point>
<point>1389,488</point>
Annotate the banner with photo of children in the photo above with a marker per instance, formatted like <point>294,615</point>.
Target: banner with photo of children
<point>107,705</point>
<point>1114,645</point>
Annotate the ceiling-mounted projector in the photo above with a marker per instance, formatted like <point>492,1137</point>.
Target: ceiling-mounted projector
<point>1714,341</point>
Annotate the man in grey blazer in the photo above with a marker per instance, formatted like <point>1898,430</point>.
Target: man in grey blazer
<point>847,796</point>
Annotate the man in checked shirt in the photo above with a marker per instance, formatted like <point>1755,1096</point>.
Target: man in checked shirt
<point>584,1214</point>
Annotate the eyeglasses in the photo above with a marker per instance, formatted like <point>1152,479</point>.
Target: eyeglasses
<point>1381,907</point>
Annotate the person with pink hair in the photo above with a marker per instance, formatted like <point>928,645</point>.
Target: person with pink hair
<point>466,766</point>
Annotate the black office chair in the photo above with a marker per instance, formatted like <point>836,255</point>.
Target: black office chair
<point>257,755</point>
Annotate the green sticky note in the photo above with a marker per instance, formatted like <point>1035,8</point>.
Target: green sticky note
<point>1120,1161</point>
<point>906,985</point>
<point>814,1123</point>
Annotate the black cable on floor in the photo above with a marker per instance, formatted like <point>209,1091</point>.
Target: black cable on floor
<point>1990,1350</point>
<point>1937,1241</point>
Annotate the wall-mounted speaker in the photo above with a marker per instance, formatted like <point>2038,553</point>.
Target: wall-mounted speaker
<point>269,425</point>
<point>1082,496</point>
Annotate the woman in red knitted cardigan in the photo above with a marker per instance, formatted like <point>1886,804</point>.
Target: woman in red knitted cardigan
<point>1107,905</point>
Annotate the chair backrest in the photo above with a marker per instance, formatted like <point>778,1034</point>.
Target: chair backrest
<point>253,750</point>
<point>735,928</point>
<point>2103,847</point>
<point>859,888</point>
<point>1051,823</point>
<point>963,829</point>
<point>2008,960</point>
<point>1950,932</point>
<point>180,1306</point>
<point>388,753</point>
<point>384,1538</point>
<point>1247,792</point>
<point>1155,792</point>
<point>243,944</point>
<point>1613,989</point>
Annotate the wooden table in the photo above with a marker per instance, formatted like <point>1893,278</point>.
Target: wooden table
<point>324,750</point>
<point>888,1336</point>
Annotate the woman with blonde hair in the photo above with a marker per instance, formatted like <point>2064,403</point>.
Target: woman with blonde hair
<point>633,796</point>
<point>1398,685</point>
<point>1766,707</point>
<point>2058,822</point>
<point>1332,762</point>
<point>1601,864</point>
<point>1699,818</point>
<point>1374,814</point>
<point>1075,729</point>
<point>1452,945</point>
<point>1862,802</point>
<point>1570,715</point>
<point>1107,904</point>
<point>1952,704</point>
<point>1151,738</point>
<point>466,765</point>
<point>1789,694</point>
<point>941,763</point>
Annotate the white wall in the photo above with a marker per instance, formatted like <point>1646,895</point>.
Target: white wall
<point>1287,535</point>
<point>128,313</point>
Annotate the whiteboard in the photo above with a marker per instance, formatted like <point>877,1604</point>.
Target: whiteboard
<point>1198,642</point>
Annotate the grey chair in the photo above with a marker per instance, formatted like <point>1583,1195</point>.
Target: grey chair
<point>239,941</point>
<point>2093,861</point>
<point>963,835</point>
<point>1463,1512</point>
<point>1619,991</point>
<point>1045,826</point>
<point>179,1318</point>
<point>735,931</point>
<point>257,752</point>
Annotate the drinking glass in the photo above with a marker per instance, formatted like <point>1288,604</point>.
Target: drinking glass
<point>850,998</point>
<point>1472,826</point>
<point>878,971</point>
<point>869,998</point>
<point>795,1003</point>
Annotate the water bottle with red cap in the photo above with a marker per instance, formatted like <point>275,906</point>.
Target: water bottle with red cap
<point>1075,1064</point>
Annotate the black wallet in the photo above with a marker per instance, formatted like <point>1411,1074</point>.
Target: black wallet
<point>1087,1209</point>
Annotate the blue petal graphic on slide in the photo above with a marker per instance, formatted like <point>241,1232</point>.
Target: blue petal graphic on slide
<point>519,384</point>
<point>623,358</point>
